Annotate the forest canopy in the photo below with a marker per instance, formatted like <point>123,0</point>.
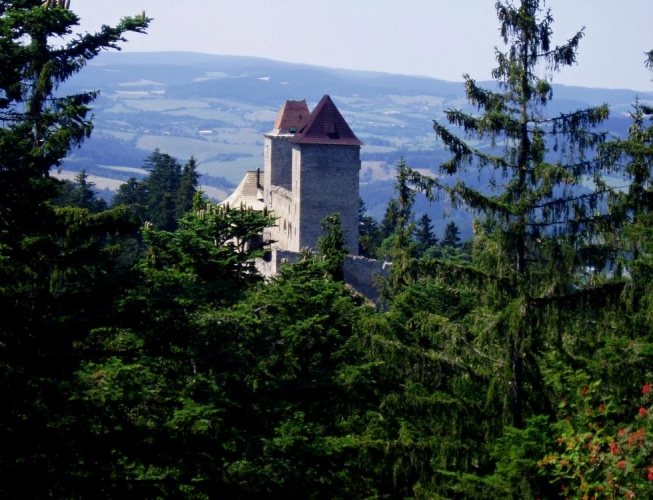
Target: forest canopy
<point>143,355</point>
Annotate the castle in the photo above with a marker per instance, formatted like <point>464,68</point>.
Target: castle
<point>311,170</point>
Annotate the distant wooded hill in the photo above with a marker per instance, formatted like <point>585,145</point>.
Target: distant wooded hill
<point>216,108</point>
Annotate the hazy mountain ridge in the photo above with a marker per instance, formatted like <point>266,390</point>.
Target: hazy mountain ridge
<point>216,108</point>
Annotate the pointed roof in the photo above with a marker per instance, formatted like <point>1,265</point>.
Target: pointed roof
<point>292,114</point>
<point>326,126</point>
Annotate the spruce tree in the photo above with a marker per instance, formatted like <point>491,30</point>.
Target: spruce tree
<point>43,273</point>
<point>80,194</point>
<point>291,372</point>
<point>534,222</point>
<point>368,230</point>
<point>399,247</point>
<point>162,183</point>
<point>40,127</point>
<point>536,232</point>
<point>424,235</point>
<point>390,219</point>
<point>187,187</point>
<point>169,385</point>
<point>332,246</point>
<point>627,243</point>
<point>132,194</point>
<point>451,236</point>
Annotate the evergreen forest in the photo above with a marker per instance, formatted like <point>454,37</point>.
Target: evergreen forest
<point>143,356</point>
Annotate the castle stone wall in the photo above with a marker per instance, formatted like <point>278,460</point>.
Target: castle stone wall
<point>283,208</point>
<point>270,267</point>
<point>325,181</point>
<point>364,275</point>
<point>361,273</point>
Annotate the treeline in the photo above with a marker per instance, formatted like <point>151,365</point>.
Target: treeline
<point>376,239</point>
<point>514,365</point>
<point>164,195</point>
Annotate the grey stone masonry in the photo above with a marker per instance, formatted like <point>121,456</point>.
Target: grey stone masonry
<point>281,208</point>
<point>361,274</point>
<point>277,158</point>
<point>325,181</point>
<point>311,170</point>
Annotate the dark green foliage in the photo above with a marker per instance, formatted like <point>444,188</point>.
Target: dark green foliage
<point>390,219</point>
<point>162,185</point>
<point>132,194</point>
<point>517,474</point>
<point>80,194</point>
<point>43,425</point>
<point>451,236</point>
<point>215,245</point>
<point>165,382</point>
<point>368,231</point>
<point>187,187</point>
<point>58,274</point>
<point>535,237</point>
<point>399,217</point>
<point>627,244</point>
<point>181,373</point>
<point>165,194</point>
<point>424,236</point>
<point>225,387</point>
<point>425,425</point>
<point>399,246</point>
<point>632,157</point>
<point>39,128</point>
<point>299,398</point>
<point>332,247</point>
<point>533,225</point>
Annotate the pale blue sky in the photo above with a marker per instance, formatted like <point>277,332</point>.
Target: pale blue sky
<point>437,38</point>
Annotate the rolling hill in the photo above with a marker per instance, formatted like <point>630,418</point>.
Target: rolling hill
<point>216,108</point>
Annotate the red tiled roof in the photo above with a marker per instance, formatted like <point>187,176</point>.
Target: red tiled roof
<point>292,114</point>
<point>326,126</point>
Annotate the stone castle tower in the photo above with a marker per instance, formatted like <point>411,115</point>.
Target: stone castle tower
<point>312,164</point>
<point>311,170</point>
